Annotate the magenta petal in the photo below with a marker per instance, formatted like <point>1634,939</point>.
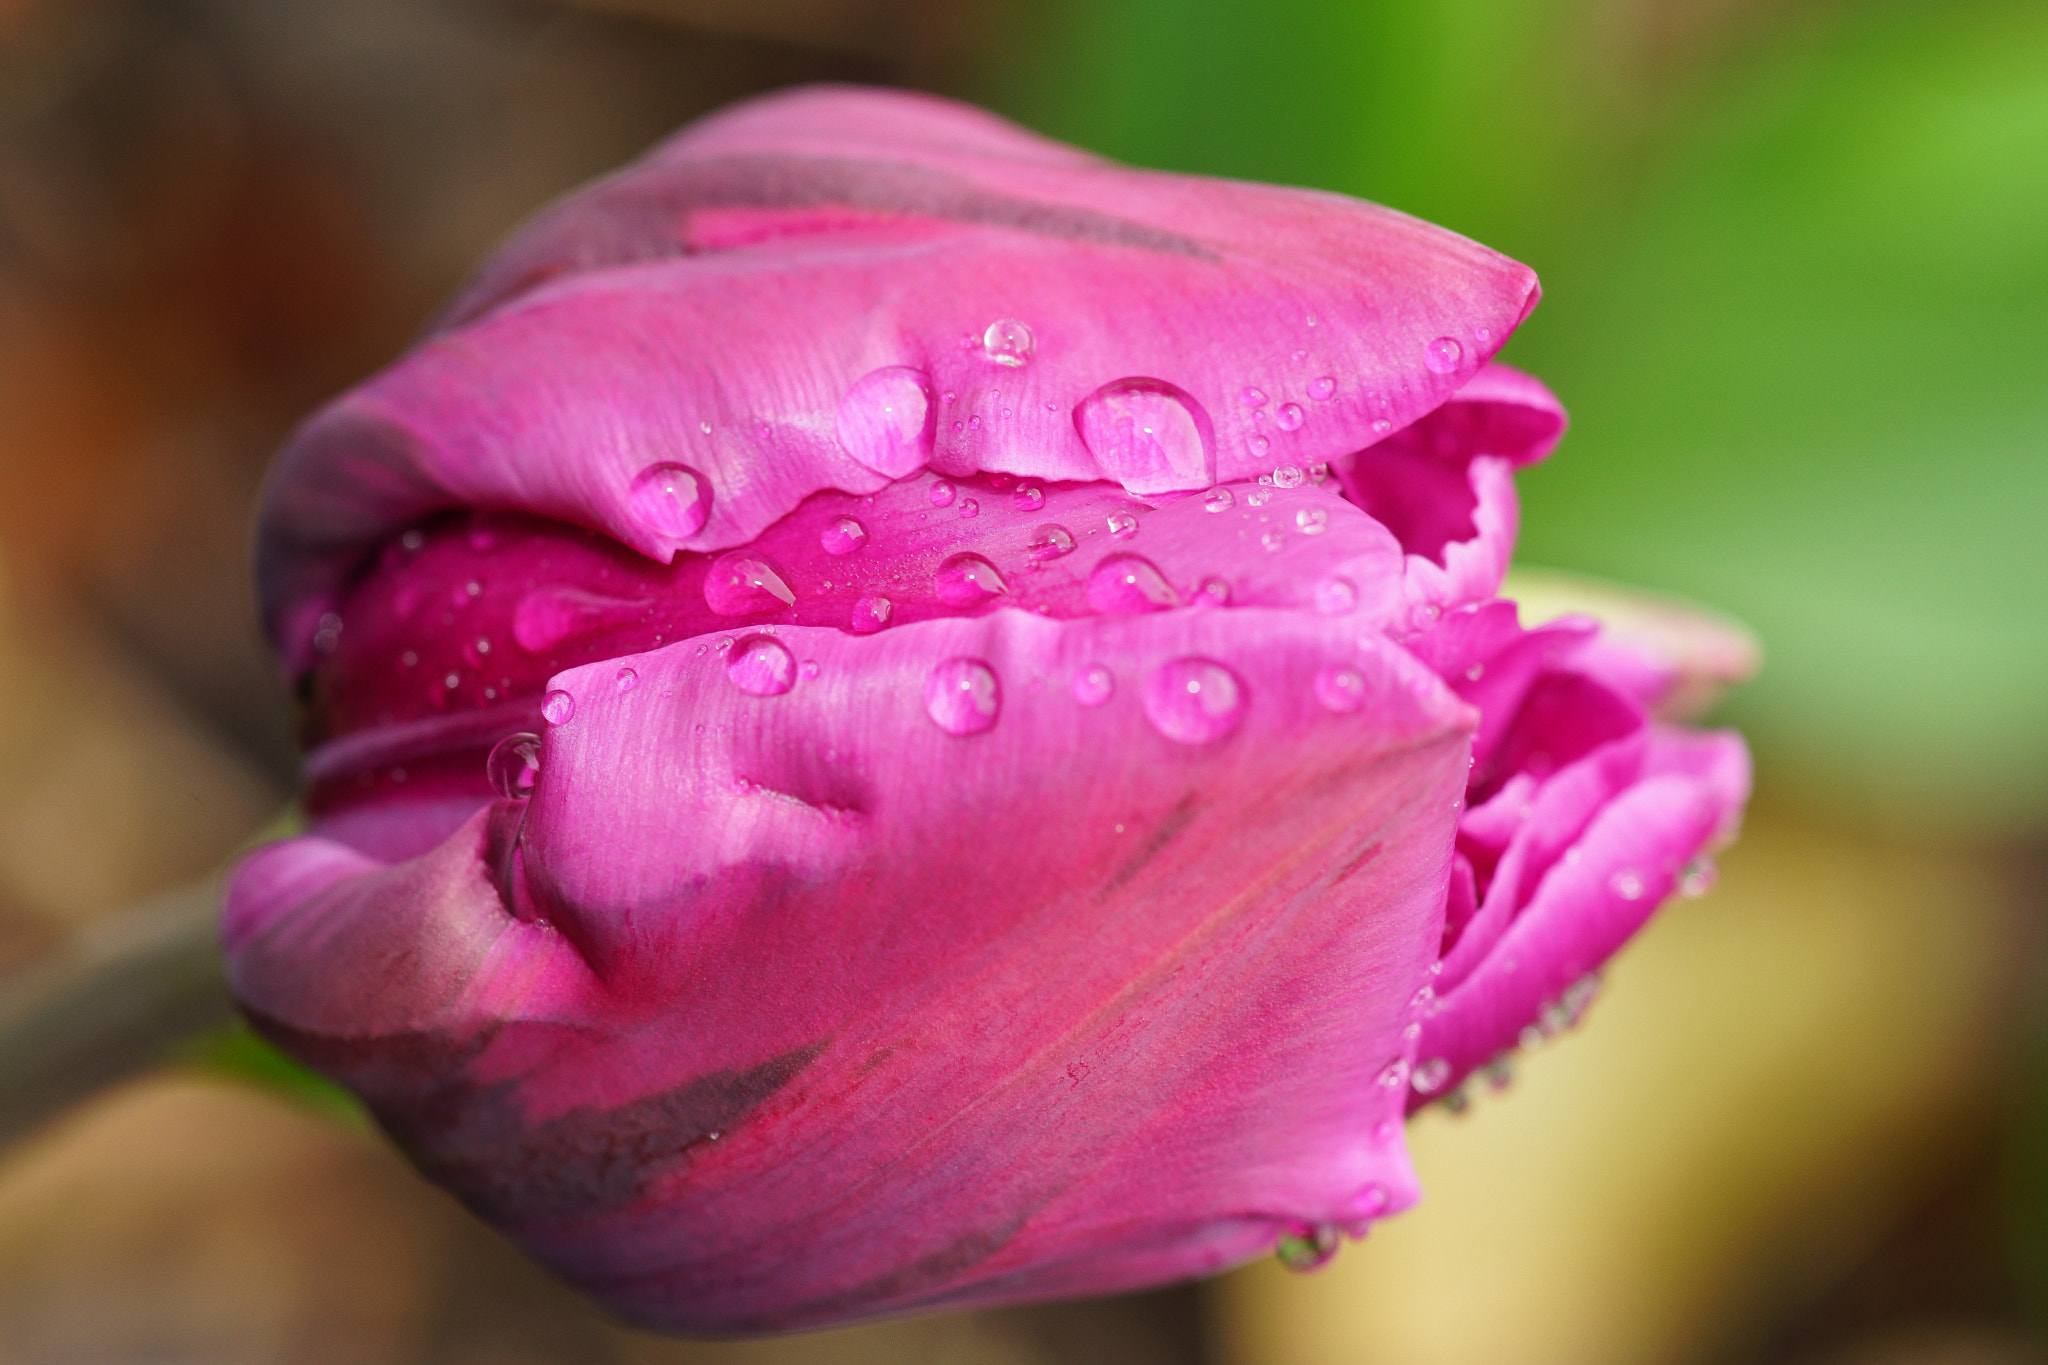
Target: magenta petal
<point>856,1038</point>
<point>1063,319</point>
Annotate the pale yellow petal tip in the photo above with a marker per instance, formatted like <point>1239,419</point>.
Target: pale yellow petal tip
<point>1709,652</point>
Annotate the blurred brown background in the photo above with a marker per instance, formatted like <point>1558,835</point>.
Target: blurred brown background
<point>1803,1126</point>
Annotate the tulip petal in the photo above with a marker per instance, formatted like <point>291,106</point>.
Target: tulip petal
<point>962,1056</point>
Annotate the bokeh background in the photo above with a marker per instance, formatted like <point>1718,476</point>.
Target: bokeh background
<point>1795,255</point>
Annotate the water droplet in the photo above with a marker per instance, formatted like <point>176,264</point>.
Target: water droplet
<point>1008,342</point>
<point>970,508</point>
<point>1627,884</point>
<point>626,681</point>
<point>1431,1075</point>
<point>1289,476</point>
<point>1340,689</point>
<point>1253,398</point>
<point>1094,685</point>
<point>963,696</point>
<point>1323,389</point>
<point>1129,585</point>
<point>1257,497</point>
<point>1442,355</point>
<point>1309,1246</point>
<point>942,494</point>
<point>1699,877</point>
<point>1319,472</point>
<point>1258,445</point>
<point>761,666</point>
<point>412,540</point>
<point>1194,701</point>
<point>1312,521</point>
<point>1475,673</point>
<point>1381,426</point>
<point>1219,500</point>
<point>452,681</point>
<point>974,422</point>
<point>557,707</point>
<point>1336,597</point>
<point>673,500</point>
<point>740,584</point>
<point>410,658</point>
<point>1212,592</point>
<point>1049,542</point>
<point>1394,1075</point>
<point>514,765</point>
<point>1122,525</point>
<point>1029,497</point>
<point>1424,997</point>
<point>870,614</point>
<point>1289,417</point>
<point>809,669</point>
<point>967,581</point>
<point>1147,435</point>
<point>842,536</point>
<point>886,418</point>
<point>1273,540</point>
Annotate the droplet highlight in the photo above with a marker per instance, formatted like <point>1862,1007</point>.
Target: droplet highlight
<point>842,536</point>
<point>761,666</point>
<point>671,500</point>
<point>1443,355</point>
<point>967,580</point>
<point>870,614</point>
<point>1122,525</point>
<point>1322,389</point>
<point>1289,417</point>
<point>1340,689</point>
<point>1009,342</point>
<point>514,765</point>
<point>558,707</point>
<point>1049,542</point>
<point>1093,685</point>
<point>740,584</point>
<point>1218,500</point>
<point>1195,701</point>
<point>963,696</point>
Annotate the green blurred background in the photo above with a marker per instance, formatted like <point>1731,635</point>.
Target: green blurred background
<point>1795,259</point>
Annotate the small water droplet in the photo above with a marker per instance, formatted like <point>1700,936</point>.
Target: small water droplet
<point>809,669</point>
<point>412,540</point>
<point>1212,592</point>
<point>970,508</point>
<point>1253,398</point>
<point>1322,389</point>
<point>1300,356</point>
<point>885,421</point>
<point>1008,342</point>
<point>557,707</point>
<point>1394,1075</point>
<point>1219,500</point>
<point>1627,884</point>
<point>1273,540</point>
<point>1093,685</point>
<point>1312,521</point>
<point>870,614</point>
<point>967,581</point>
<point>1699,877</point>
<point>1257,497</point>
<point>1319,472</point>
<point>626,681</point>
<point>671,499</point>
<point>1289,417</point>
<point>452,681</point>
<point>764,431</point>
<point>963,696</point>
<point>761,666</point>
<point>1475,673</point>
<point>975,422</point>
<point>1431,1075</point>
<point>842,536</point>
<point>514,765</point>
<point>1194,701</point>
<point>943,493</point>
<point>1424,997</point>
<point>1129,585</point>
<point>1148,435</point>
<point>741,584</point>
<point>1442,355</point>
<point>1029,497</point>
<point>1336,597</point>
<point>1340,689</point>
<point>1289,476</point>
<point>1049,542</point>
<point>1308,1246</point>
<point>1381,426</point>
<point>1122,525</point>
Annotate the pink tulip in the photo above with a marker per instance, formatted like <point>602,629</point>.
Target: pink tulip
<point>894,712</point>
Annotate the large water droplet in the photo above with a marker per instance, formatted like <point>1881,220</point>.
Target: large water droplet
<point>741,584</point>
<point>1129,585</point>
<point>1122,525</point>
<point>943,493</point>
<point>761,666</point>
<point>1340,689</point>
<point>558,707</point>
<point>1289,476</point>
<point>514,765</point>
<point>1308,1246</point>
<point>1218,500</point>
<point>1194,701</point>
<point>970,508</point>
<point>962,696</point>
<point>672,500</point>
<point>870,614</point>
<point>1008,342</point>
<point>1289,417</point>
<point>967,581</point>
<point>1029,497</point>
<point>1442,355</point>
<point>1049,542</point>
<point>885,420</point>
<point>1148,435</point>
<point>626,681</point>
<point>842,536</point>
<point>1431,1075</point>
<point>1093,685</point>
<point>1323,389</point>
